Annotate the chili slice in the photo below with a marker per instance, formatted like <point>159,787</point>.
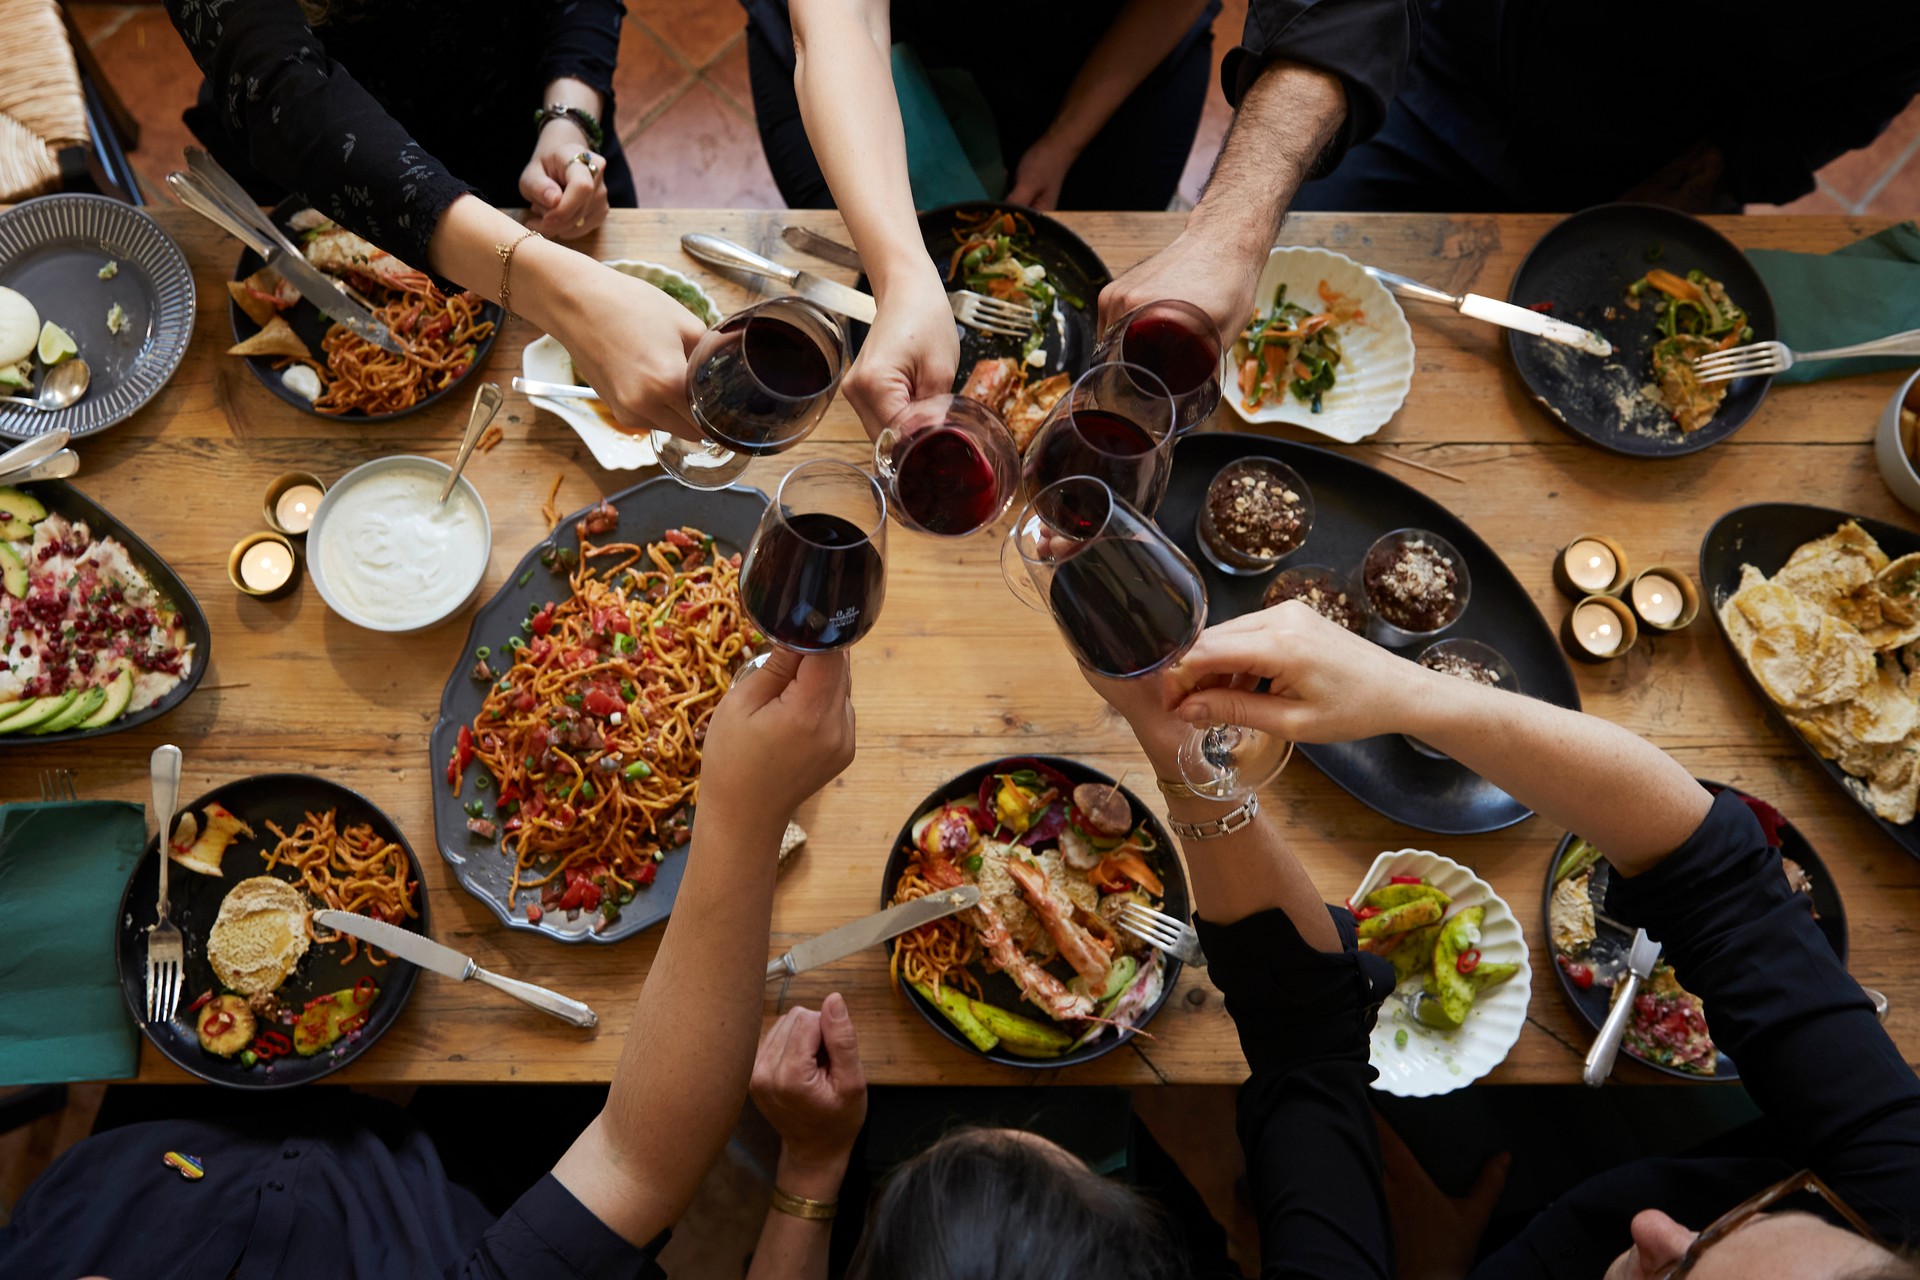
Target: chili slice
<point>1469,960</point>
<point>365,989</point>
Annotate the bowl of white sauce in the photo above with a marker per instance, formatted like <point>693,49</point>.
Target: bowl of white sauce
<point>387,555</point>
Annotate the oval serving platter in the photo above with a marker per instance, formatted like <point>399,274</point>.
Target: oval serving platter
<point>646,510</point>
<point>1610,946</point>
<point>1354,505</point>
<point>194,902</point>
<point>61,498</point>
<point>998,988</point>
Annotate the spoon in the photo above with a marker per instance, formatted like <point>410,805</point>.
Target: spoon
<point>64,384</point>
<point>57,467</point>
<point>22,456</point>
<point>486,402</point>
<point>536,387</point>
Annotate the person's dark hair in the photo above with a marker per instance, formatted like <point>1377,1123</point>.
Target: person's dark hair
<point>982,1204</point>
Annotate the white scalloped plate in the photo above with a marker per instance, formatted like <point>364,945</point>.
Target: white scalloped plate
<point>1377,370</point>
<point>546,360</point>
<point>1434,1061</point>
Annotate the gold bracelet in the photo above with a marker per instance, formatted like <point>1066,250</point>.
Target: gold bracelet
<point>506,252</point>
<point>801,1207</point>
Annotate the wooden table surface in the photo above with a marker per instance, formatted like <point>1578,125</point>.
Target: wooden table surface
<point>956,671</point>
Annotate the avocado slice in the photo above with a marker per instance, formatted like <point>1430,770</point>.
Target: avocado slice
<point>79,709</point>
<point>8,708</point>
<point>38,711</point>
<point>14,570</point>
<point>21,506</point>
<point>119,694</point>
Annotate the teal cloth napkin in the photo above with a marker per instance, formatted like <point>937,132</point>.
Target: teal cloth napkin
<point>953,150</point>
<point>63,868</point>
<point>1867,290</point>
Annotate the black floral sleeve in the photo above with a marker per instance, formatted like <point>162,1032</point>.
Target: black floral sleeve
<point>309,126</point>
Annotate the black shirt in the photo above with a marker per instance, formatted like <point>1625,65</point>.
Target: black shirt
<point>1810,1050</point>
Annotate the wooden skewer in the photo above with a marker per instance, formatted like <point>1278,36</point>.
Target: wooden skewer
<point>1421,466</point>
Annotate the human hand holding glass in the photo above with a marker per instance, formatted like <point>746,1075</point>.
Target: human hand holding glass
<point>948,464</point>
<point>1180,344</point>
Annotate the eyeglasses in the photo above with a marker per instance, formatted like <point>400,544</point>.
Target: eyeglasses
<point>1738,1216</point>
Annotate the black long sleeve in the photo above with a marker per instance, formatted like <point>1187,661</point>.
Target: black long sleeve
<point>1369,44</point>
<point>583,42</point>
<point>1305,1120</point>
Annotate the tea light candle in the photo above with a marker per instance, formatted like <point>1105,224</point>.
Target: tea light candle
<point>292,501</point>
<point>1598,629</point>
<point>1591,565</point>
<point>262,564</point>
<point>1664,598</point>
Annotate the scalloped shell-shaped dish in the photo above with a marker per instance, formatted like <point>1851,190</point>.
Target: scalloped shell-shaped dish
<point>1377,369</point>
<point>1434,1061</point>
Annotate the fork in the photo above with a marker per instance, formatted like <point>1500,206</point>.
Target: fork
<point>1163,932</point>
<point>1763,359</point>
<point>166,951</point>
<point>57,785</point>
<point>990,315</point>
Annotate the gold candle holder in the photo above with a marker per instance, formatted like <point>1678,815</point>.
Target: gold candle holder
<point>263,565</point>
<point>291,502</point>
<point>1664,597</point>
<point>1598,629</point>
<point>1591,565</point>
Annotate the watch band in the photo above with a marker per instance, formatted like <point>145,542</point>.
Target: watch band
<point>1235,819</point>
<point>589,124</point>
<point>801,1207</point>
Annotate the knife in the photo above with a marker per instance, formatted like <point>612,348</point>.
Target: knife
<point>1640,961</point>
<point>835,944</point>
<point>429,954</point>
<point>23,456</point>
<point>226,204</point>
<point>835,297</point>
<point>1494,311</point>
<point>821,247</point>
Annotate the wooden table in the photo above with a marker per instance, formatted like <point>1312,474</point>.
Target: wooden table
<point>956,671</point>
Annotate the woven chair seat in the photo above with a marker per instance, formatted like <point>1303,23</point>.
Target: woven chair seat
<point>42,106</point>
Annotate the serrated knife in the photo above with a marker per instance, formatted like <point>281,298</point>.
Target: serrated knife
<point>848,939</point>
<point>1493,311</point>
<point>429,954</point>
<point>831,294</point>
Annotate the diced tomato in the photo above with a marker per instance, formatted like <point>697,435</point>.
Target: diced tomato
<point>543,620</point>
<point>534,912</point>
<point>645,872</point>
<point>436,329</point>
<point>622,623</point>
<point>510,793</point>
<point>539,649</point>
<point>565,815</point>
<point>598,702</point>
<point>462,755</point>
<point>523,701</point>
<point>678,539</point>
<point>1580,975</point>
<point>590,897</point>
<point>571,899</point>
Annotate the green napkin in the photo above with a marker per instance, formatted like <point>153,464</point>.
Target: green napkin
<point>63,868</point>
<point>953,150</point>
<point>1867,290</point>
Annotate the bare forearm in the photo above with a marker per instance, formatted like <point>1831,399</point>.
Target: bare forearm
<point>1286,120</point>
<point>793,1248</point>
<point>466,249</point>
<point>1140,36</point>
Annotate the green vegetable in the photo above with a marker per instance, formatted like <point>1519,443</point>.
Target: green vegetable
<point>481,783</point>
<point>959,1011</point>
<point>624,643</point>
<point>638,769</point>
<point>1400,1038</point>
<point>1400,919</point>
<point>108,272</point>
<point>1579,857</point>
<point>1019,1035</point>
<point>117,321</point>
<point>1448,985</point>
<point>975,862</point>
<point>484,651</point>
<point>1398,895</point>
<point>524,579</point>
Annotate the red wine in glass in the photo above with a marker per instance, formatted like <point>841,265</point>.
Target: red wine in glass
<point>762,381</point>
<point>1101,444</point>
<point>814,583</point>
<point>944,482</point>
<point>1183,359</point>
<point>1126,607</point>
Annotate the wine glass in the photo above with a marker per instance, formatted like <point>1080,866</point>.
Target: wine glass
<point>1129,604</point>
<point>1179,343</point>
<point>757,383</point>
<point>1115,424</point>
<point>949,466</point>
<point>815,573</point>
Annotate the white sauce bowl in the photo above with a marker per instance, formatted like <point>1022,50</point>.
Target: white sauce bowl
<point>384,558</point>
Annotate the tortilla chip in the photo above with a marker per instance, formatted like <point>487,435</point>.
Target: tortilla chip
<point>276,338</point>
<point>247,295</point>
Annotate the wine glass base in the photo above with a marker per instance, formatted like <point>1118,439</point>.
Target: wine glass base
<point>1230,762</point>
<point>705,465</point>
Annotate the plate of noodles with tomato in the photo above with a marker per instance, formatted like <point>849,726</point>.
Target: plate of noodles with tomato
<point>1039,973</point>
<point>315,364</point>
<point>566,760</point>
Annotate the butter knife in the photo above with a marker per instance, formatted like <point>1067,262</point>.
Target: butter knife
<point>1644,954</point>
<point>1494,311</point>
<point>831,294</point>
<point>849,939</point>
<point>429,954</point>
<point>821,247</point>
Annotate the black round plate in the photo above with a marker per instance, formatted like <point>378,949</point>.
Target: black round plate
<point>1583,267</point>
<point>61,498</point>
<point>1355,504</point>
<point>997,987</point>
<point>647,510</point>
<point>312,324</point>
<point>1610,946</point>
<point>51,250</point>
<point>1071,264</point>
<point>1764,535</point>
<point>194,901</point>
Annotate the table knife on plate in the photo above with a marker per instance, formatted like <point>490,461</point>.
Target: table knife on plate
<point>1494,311</point>
<point>821,247</point>
<point>1640,961</point>
<point>429,954</point>
<point>835,944</point>
<point>834,296</point>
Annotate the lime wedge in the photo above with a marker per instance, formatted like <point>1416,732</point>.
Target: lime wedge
<point>56,344</point>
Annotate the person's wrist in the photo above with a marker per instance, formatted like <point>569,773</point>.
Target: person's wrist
<point>550,283</point>
<point>901,271</point>
<point>812,1175</point>
<point>564,133</point>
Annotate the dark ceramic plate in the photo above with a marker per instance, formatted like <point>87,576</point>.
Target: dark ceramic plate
<point>1355,504</point>
<point>62,498</point>
<point>194,902</point>
<point>52,250</point>
<point>1610,946</point>
<point>1764,535</point>
<point>1583,267</point>
<point>312,324</point>
<point>647,510</point>
<point>1071,264</point>
<point>999,989</point>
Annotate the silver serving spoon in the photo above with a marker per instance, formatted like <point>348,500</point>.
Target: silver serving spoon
<point>57,467</point>
<point>65,383</point>
<point>22,456</point>
<point>486,403</point>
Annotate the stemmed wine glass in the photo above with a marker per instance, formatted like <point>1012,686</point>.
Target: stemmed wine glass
<point>757,383</point>
<point>1116,424</point>
<point>815,574</point>
<point>1129,604</point>
<point>1179,343</point>
<point>949,466</point>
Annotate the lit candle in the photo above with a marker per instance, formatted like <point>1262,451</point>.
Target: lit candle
<point>1657,599</point>
<point>1590,565</point>
<point>266,566</point>
<point>296,506</point>
<point>1597,629</point>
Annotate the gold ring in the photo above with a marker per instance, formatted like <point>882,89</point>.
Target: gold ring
<point>593,171</point>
